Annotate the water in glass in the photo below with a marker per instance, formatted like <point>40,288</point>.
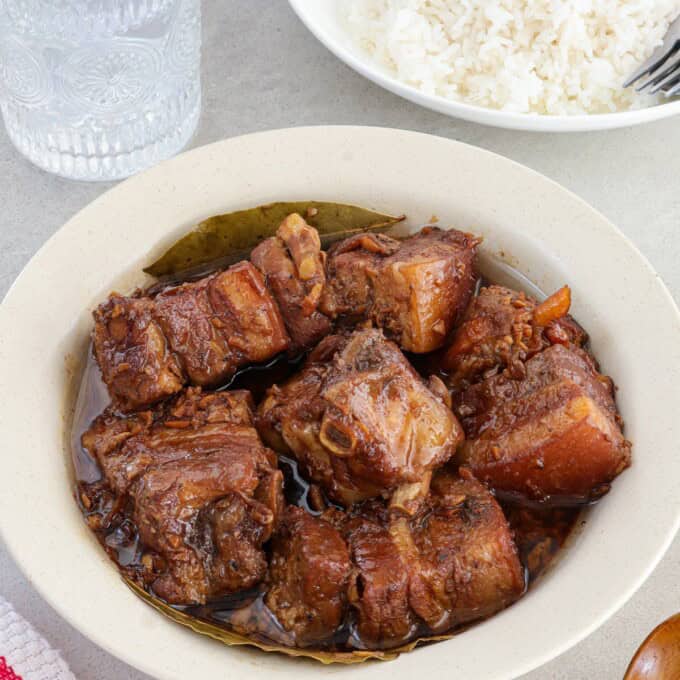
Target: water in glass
<point>99,89</point>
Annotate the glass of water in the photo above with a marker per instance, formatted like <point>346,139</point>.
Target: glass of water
<point>99,89</point>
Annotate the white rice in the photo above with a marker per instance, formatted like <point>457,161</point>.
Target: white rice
<point>539,56</point>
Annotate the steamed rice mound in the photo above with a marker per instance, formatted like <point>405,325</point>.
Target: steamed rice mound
<point>532,56</point>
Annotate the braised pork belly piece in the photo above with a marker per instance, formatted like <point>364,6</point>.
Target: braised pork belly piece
<point>379,589</point>
<point>502,328</point>
<point>553,432</point>
<point>221,323</point>
<point>359,419</point>
<point>393,576</point>
<point>413,289</point>
<point>195,423</point>
<point>466,563</point>
<point>201,332</point>
<point>136,363</point>
<point>309,573</point>
<point>292,263</point>
<point>451,563</point>
<point>205,493</point>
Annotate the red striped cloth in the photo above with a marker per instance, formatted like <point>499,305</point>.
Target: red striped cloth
<point>24,653</point>
<point>6,672</point>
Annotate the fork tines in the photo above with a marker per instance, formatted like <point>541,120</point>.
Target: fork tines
<point>661,72</point>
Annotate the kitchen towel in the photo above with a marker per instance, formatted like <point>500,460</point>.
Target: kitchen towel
<point>24,653</point>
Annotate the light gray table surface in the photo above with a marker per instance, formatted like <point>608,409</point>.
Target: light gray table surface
<point>262,70</point>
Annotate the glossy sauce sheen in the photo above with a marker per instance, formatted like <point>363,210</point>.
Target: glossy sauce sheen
<point>539,532</point>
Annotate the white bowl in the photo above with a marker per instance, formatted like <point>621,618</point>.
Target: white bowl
<point>551,235</point>
<point>323,19</point>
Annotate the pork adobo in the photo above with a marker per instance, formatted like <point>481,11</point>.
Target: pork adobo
<point>309,573</point>
<point>414,289</point>
<point>452,562</point>
<point>359,419</point>
<point>419,495</point>
<point>202,490</point>
<point>198,333</point>
<point>552,432</point>
<point>292,263</point>
<point>131,350</point>
<point>502,328</point>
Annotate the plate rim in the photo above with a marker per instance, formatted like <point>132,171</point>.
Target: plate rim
<point>193,154</point>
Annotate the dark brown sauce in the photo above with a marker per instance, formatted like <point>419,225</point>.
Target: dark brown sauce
<point>540,531</point>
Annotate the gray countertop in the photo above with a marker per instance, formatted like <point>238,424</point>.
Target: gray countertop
<point>262,70</point>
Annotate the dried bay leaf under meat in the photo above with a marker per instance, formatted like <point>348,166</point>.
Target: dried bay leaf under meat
<point>224,239</point>
<point>233,638</point>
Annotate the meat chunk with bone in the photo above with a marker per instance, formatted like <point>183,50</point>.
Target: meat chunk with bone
<point>413,289</point>
<point>502,328</point>
<point>292,263</point>
<point>451,563</point>
<point>309,572</point>
<point>553,432</point>
<point>205,492</point>
<point>202,332</point>
<point>359,420</point>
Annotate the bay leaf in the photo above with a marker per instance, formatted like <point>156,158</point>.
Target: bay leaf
<point>224,239</point>
<point>232,638</point>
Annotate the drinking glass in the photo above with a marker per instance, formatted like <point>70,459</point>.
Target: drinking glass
<point>99,89</point>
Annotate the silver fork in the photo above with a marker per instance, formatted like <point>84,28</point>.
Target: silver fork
<point>661,72</point>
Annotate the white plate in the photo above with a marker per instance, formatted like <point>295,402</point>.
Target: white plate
<point>550,234</point>
<point>323,19</point>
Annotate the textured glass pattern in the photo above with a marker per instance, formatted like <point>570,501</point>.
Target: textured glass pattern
<point>99,89</point>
